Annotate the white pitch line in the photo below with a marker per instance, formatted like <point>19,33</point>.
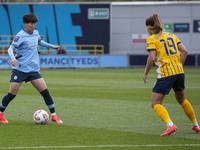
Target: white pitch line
<point>101,146</point>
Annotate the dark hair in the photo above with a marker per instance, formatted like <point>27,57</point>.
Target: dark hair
<point>154,23</point>
<point>31,17</point>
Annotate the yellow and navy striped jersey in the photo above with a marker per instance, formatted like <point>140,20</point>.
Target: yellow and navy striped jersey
<point>167,54</point>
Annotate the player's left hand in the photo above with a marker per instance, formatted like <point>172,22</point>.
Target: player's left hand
<point>57,47</point>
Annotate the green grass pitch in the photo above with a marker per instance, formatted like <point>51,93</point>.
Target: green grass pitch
<point>102,109</point>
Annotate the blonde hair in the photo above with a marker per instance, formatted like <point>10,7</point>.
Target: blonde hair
<point>154,23</point>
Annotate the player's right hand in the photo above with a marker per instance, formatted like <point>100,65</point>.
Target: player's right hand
<point>145,79</point>
<point>14,62</point>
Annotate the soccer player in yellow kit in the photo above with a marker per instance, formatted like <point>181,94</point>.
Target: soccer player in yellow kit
<point>164,50</point>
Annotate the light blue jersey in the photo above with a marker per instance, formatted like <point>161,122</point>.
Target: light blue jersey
<point>26,45</point>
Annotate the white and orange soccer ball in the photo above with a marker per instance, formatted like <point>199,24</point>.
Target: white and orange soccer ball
<point>41,117</point>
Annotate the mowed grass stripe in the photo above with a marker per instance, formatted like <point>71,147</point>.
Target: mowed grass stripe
<point>101,146</point>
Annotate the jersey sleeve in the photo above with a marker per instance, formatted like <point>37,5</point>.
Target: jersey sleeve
<point>18,40</point>
<point>151,45</point>
<point>177,40</point>
<point>38,35</point>
<point>45,44</point>
<point>10,52</point>
<point>39,38</point>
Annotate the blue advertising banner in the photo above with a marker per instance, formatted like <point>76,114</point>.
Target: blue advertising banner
<point>64,61</point>
<point>84,61</point>
<point>54,61</point>
<point>114,61</point>
<point>69,61</point>
<point>5,62</point>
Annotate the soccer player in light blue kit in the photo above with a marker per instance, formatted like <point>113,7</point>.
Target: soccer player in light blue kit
<point>26,65</point>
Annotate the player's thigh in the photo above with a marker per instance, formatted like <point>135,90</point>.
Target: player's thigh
<point>39,84</point>
<point>14,87</point>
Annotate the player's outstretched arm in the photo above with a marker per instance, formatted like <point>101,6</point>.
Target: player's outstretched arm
<point>45,44</point>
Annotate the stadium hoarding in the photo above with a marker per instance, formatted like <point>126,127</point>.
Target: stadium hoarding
<point>5,62</point>
<point>114,61</point>
<point>54,61</point>
<point>65,61</point>
<point>88,61</point>
<point>69,61</point>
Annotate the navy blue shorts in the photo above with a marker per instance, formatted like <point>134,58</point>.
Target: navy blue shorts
<point>18,76</point>
<point>164,85</point>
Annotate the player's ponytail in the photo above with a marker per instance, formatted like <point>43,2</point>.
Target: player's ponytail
<point>154,23</point>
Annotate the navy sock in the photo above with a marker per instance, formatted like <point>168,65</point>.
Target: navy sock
<point>48,100</point>
<point>6,100</point>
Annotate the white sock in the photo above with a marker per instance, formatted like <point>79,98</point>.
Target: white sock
<point>195,124</point>
<point>53,114</point>
<point>170,124</point>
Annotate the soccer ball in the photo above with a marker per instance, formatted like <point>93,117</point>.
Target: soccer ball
<point>41,117</point>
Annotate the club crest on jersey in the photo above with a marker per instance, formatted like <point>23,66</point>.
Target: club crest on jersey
<point>16,39</point>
